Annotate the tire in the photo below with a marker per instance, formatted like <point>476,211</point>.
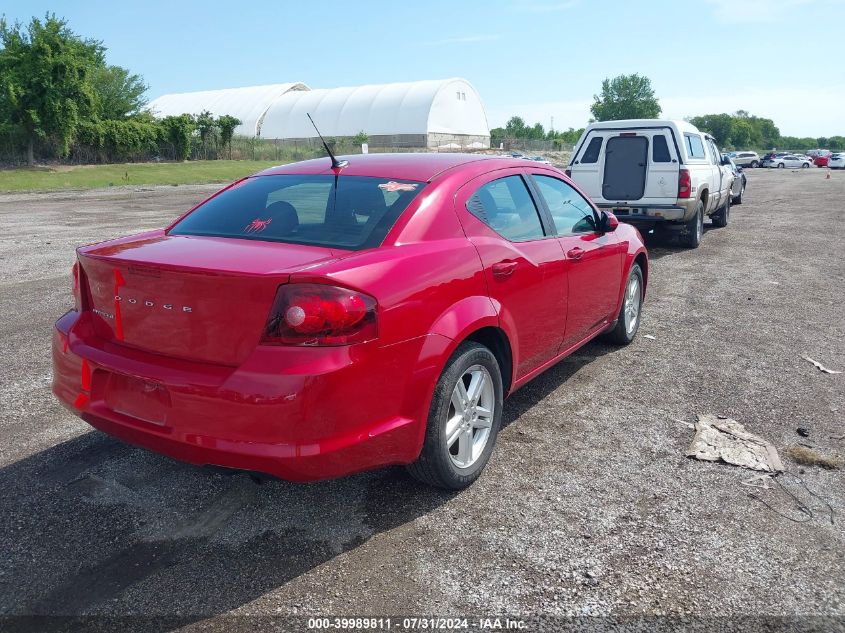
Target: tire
<point>805,165</point>
<point>781,165</point>
<point>439,463</point>
<point>754,164</point>
<point>626,329</point>
<point>691,238</point>
<point>721,217</point>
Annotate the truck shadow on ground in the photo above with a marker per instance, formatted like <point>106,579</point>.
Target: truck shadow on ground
<point>94,529</point>
<point>661,244</point>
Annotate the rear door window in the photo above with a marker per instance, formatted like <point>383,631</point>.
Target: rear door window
<point>625,167</point>
<point>506,206</point>
<point>351,212</point>
<point>660,149</point>
<point>591,154</point>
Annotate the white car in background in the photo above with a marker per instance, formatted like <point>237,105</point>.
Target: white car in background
<point>837,160</point>
<point>792,161</point>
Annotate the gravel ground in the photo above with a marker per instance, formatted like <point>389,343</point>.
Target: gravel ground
<point>588,507</point>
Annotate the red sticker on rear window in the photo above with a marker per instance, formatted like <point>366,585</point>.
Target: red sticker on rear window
<point>257,225</point>
<point>397,186</point>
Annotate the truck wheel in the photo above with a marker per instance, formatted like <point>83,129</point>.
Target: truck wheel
<point>628,319</point>
<point>463,421</point>
<point>691,237</point>
<point>720,218</point>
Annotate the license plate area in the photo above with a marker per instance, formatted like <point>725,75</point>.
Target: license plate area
<point>138,398</point>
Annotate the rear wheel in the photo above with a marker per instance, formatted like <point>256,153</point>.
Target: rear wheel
<point>628,319</point>
<point>720,218</point>
<point>754,164</point>
<point>805,165</point>
<point>781,165</point>
<point>691,237</point>
<point>463,421</point>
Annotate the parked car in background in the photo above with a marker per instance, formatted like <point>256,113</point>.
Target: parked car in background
<point>745,159</point>
<point>837,161</point>
<point>792,161</point>
<point>769,158</point>
<point>315,320</point>
<point>822,160</point>
<point>654,174</point>
<point>739,182</point>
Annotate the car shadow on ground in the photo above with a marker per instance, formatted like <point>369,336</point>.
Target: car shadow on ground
<point>95,529</point>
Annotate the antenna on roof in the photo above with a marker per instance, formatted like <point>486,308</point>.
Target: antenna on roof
<point>336,164</point>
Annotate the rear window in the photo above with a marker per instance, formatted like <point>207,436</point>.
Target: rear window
<point>357,213</point>
<point>591,154</point>
<point>695,148</point>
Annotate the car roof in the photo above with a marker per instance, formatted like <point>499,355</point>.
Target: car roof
<point>681,126</point>
<point>419,166</point>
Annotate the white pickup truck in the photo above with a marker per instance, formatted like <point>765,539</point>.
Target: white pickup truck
<point>654,173</point>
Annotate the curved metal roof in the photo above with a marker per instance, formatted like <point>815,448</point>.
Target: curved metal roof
<point>248,104</point>
<point>450,106</point>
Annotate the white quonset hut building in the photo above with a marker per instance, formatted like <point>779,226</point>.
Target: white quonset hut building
<point>444,114</point>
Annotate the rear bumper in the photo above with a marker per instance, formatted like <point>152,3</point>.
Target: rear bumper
<point>650,214</point>
<point>299,414</point>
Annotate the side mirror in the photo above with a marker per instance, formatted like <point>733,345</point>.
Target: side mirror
<point>607,222</point>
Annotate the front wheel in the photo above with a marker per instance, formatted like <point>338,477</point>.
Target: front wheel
<point>805,165</point>
<point>754,164</point>
<point>628,319</point>
<point>463,421</point>
<point>781,165</point>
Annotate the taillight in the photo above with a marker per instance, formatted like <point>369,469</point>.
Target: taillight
<point>684,184</point>
<point>317,314</point>
<point>76,286</point>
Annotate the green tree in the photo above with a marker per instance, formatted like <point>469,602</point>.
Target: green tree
<point>118,92</point>
<point>206,126</point>
<point>717,125</point>
<point>741,133</point>
<point>625,97</point>
<point>536,132</point>
<point>177,132</point>
<point>227,124</point>
<point>45,85</point>
<point>360,138</point>
<point>516,128</point>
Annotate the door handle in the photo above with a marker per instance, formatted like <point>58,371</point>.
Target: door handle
<point>503,269</point>
<point>575,253</point>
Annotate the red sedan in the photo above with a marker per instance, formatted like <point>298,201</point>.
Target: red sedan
<point>312,321</point>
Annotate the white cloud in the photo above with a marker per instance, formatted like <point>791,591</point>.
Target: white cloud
<point>465,39</point>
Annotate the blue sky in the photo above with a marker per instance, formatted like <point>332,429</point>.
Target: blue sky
<point>536,58</point>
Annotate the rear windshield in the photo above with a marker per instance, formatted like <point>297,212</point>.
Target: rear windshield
<point>350,213</point>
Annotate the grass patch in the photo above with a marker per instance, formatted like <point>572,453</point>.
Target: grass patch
<point>96,176</point>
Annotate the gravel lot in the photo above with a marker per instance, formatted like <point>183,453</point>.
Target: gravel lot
<point>588,507</point>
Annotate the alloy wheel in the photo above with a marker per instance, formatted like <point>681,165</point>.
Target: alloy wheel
<point>471,413</point>
<point>633,299</point>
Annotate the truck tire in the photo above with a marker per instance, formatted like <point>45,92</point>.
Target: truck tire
<point>691,237</point>
<point>720,218</point>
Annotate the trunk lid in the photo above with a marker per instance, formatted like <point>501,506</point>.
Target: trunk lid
<point>195,298</point>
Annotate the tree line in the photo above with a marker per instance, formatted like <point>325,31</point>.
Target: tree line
<point>59,98</point>
<point>632,97</point>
